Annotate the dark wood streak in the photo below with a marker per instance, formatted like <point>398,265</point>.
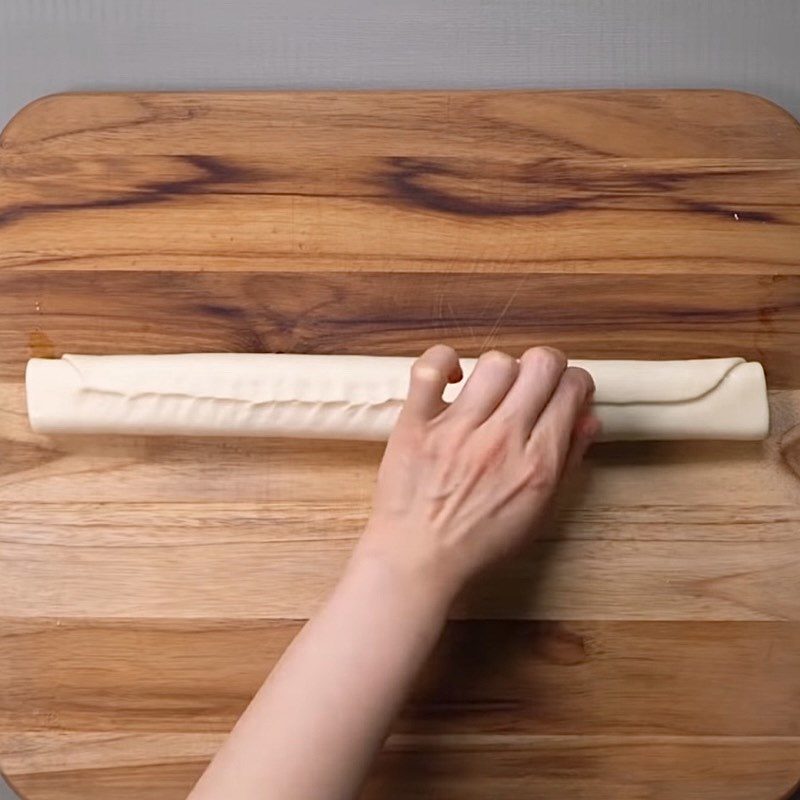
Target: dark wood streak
<point>533,189</point>
<point>794,793</point>
<point>566,187</point>
<point>213,171</point>
<point>741,215</point>
<point>401,313</point>
<point>226,312</point>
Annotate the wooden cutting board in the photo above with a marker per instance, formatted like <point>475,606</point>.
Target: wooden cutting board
<point>651,650</point>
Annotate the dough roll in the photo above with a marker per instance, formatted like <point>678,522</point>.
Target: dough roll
<point>359,397</point>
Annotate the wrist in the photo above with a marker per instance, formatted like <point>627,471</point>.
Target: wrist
<point>401,581</point>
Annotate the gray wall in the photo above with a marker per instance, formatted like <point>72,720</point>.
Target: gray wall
<point>53,45</point>
<point>56,45</point>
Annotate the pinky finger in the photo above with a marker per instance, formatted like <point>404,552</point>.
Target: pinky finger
<point>586,431</point>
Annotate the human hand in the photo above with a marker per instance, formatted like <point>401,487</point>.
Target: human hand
<point>463,484</point>
<point>460,485</point>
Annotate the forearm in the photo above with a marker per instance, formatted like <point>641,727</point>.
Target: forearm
<point>316,723</point>
<point>461,484</point>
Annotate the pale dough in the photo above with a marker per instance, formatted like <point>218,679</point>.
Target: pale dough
<point>359,397</point>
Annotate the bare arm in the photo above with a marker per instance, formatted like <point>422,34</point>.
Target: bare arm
<point>460,486</point>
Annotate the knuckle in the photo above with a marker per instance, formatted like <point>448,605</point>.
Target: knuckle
<point>495,451</point>
<point>425,371</point>
<point>540,473</point>
<point>498,360</point>
<point>435,364</point>
<point>577,381</point>
<point>441,352</point>
<point>547,357</point>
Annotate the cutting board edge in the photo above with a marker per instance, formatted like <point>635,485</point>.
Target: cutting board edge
<point>31,111</point>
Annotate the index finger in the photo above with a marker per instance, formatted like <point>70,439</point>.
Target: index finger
<point>431,372</point>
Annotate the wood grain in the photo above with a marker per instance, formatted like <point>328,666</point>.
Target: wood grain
<point>398,313</point>
<point>436,768</point>
<point>275,574</point>
<point>488,677</point>
<point>648,648</point>
<point>398,212</point>
<point>514,124</point>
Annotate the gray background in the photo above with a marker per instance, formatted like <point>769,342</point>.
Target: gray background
<point>56,45</point>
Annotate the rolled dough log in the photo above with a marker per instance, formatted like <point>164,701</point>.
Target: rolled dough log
<point>359,397</point>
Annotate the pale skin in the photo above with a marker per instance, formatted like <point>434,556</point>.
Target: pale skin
<point>461,486</point>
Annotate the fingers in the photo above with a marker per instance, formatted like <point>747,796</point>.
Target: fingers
<point>551,437</point>
<point>585,433</point>
<point>431,372</point>
<point>540,370</point>
<point>493,376</point>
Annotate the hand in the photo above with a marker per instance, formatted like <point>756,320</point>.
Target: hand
<point>460,485</point>
<point>463,484</point>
